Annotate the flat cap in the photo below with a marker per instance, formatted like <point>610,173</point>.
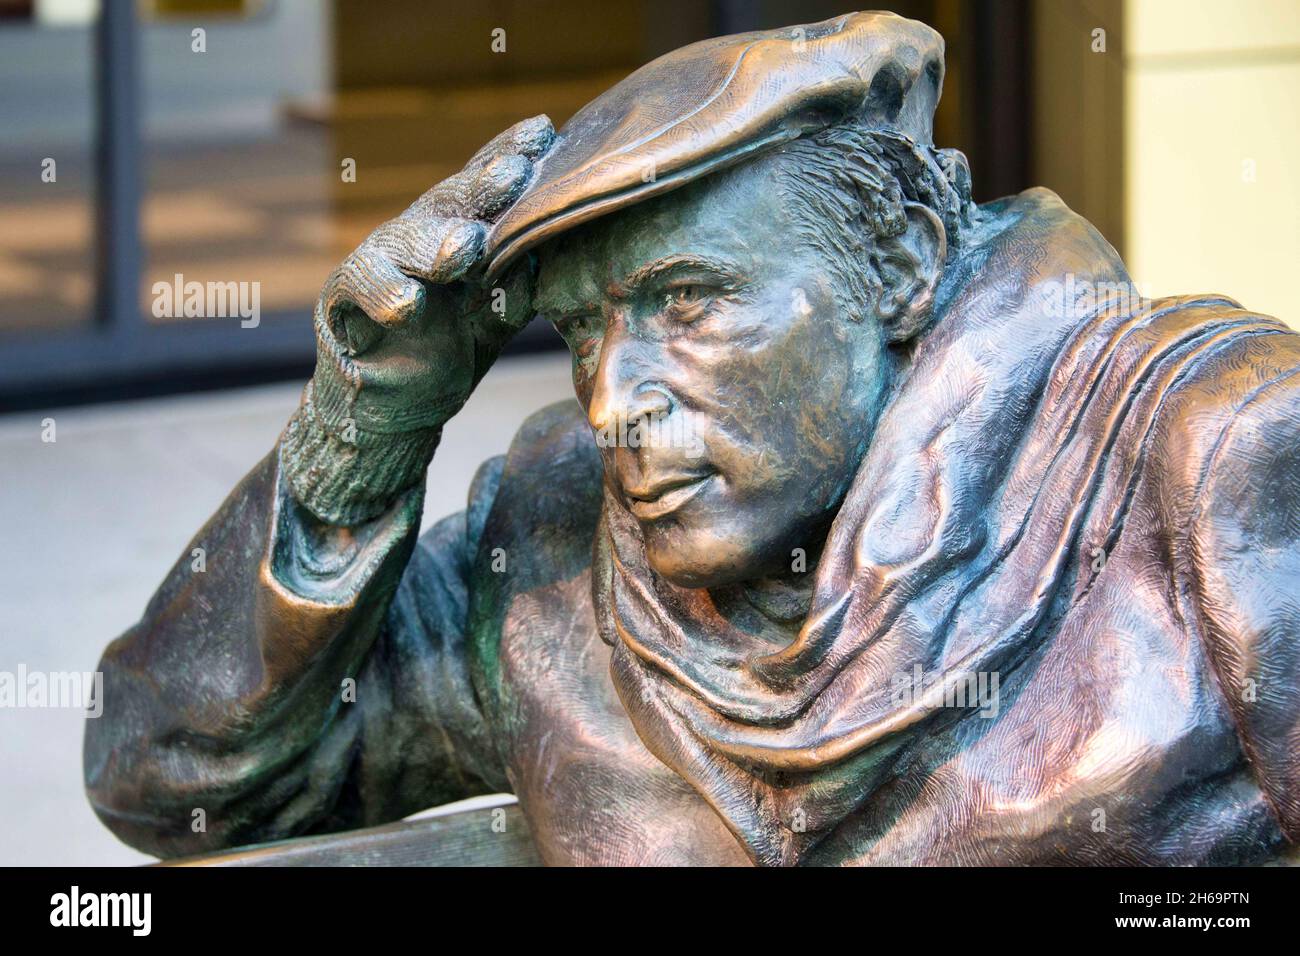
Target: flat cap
<point>715,103</point>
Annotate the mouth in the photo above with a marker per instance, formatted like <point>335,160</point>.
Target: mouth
<point>665,497</point>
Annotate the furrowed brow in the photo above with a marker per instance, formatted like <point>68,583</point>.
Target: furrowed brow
<point>718,269</point>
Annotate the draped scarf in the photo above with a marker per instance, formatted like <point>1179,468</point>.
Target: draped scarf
<point>1006,455</point>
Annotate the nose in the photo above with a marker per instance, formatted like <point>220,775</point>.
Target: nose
<point>625,389</point>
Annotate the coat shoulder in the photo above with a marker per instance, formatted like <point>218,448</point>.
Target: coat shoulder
<point>1232,478</point>
<point>537,533</point>
<point>551,479</point>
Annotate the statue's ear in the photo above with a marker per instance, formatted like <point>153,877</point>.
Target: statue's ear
<point>909,266</point>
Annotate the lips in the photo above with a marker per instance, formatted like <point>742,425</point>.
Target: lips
<point>664,497</point>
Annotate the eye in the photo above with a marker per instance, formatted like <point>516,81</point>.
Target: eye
<point>571,326</point>
<point>580,332</point>
<point>686,302</point>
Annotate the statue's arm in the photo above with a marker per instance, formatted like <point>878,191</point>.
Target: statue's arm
<point>281,688</point>
<point>1245,557</point>
<point>308,678</point>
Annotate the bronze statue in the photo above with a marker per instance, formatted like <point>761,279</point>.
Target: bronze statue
<point>888,527</point>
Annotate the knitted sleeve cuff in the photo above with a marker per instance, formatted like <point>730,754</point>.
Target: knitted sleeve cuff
<point>349,478</point>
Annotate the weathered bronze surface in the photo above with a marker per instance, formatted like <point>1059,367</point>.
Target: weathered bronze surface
<point>908,534</point>
<point>487,836</point>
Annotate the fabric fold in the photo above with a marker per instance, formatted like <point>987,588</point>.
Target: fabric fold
<point>1002,462</point>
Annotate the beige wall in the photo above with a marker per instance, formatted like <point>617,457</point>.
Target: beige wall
<point>1211,149</point>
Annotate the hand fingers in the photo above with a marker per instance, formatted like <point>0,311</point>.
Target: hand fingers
<point>481,194</point>
<point>498,185</point>
<point>432,248</point>
<point>493,178</point>
<point>529,138</point>
<point>368,282</point>
<point>436,239</point>
<point>381,279</point>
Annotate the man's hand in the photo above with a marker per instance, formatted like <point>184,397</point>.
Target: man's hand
<point>407,309</point>
<point>405,328</point>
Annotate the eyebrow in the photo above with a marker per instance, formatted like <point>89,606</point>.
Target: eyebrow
<point>719,269</point>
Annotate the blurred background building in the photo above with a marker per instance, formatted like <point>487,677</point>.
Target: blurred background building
<point>260,140</point>
<point>220,154</point>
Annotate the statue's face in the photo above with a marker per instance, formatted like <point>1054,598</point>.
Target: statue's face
<point>701,316</point>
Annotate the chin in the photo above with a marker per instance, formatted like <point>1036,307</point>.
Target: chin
<point>692,558</point>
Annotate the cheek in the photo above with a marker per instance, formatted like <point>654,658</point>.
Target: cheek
<point>788,397</point>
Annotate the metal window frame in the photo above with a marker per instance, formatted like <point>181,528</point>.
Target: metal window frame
<point>120,354</point>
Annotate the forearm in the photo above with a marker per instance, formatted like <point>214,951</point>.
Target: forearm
<point>225,717</point>
<point>227,697</point>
